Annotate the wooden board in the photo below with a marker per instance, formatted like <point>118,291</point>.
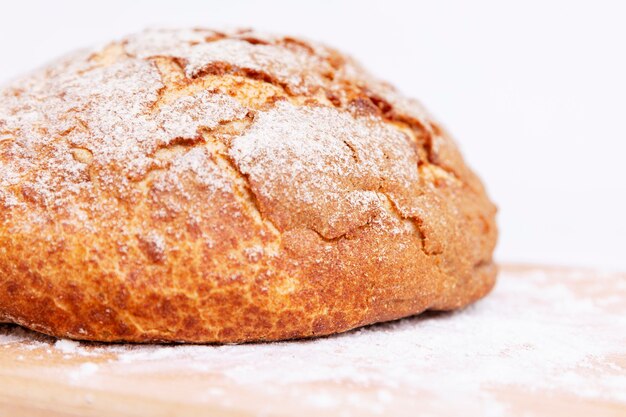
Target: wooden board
<point>547,341</point>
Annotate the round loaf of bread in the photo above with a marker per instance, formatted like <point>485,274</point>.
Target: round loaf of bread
<point>204,186</point>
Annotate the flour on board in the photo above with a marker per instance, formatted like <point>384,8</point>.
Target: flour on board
<point>537,333</point>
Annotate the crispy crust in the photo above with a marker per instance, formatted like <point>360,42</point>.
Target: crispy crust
<point>201,186</point>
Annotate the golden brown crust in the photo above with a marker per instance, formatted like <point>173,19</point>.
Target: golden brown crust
<point>202,186</point>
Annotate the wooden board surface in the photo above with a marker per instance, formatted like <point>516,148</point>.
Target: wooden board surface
<point>547,341</point>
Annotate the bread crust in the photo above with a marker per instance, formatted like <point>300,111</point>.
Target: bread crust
<point>221,187</point>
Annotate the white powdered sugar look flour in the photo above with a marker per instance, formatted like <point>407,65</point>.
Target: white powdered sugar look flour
<point>534,334</point>
<point>101,129</point>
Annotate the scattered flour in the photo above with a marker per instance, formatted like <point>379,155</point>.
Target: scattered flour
<point>85,370</point>
<point>533,333</point>
<point>66,346</point>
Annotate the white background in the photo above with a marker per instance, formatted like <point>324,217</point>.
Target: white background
<point>534,91</point>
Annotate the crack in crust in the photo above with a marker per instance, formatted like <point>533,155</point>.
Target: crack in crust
<point>215,140</point>
<point>243,191</point>
<point>365,104</point>
<point>358,99</point>
<point>174,79</point>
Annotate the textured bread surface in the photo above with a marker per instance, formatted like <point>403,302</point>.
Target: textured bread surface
<point>204,186</point>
